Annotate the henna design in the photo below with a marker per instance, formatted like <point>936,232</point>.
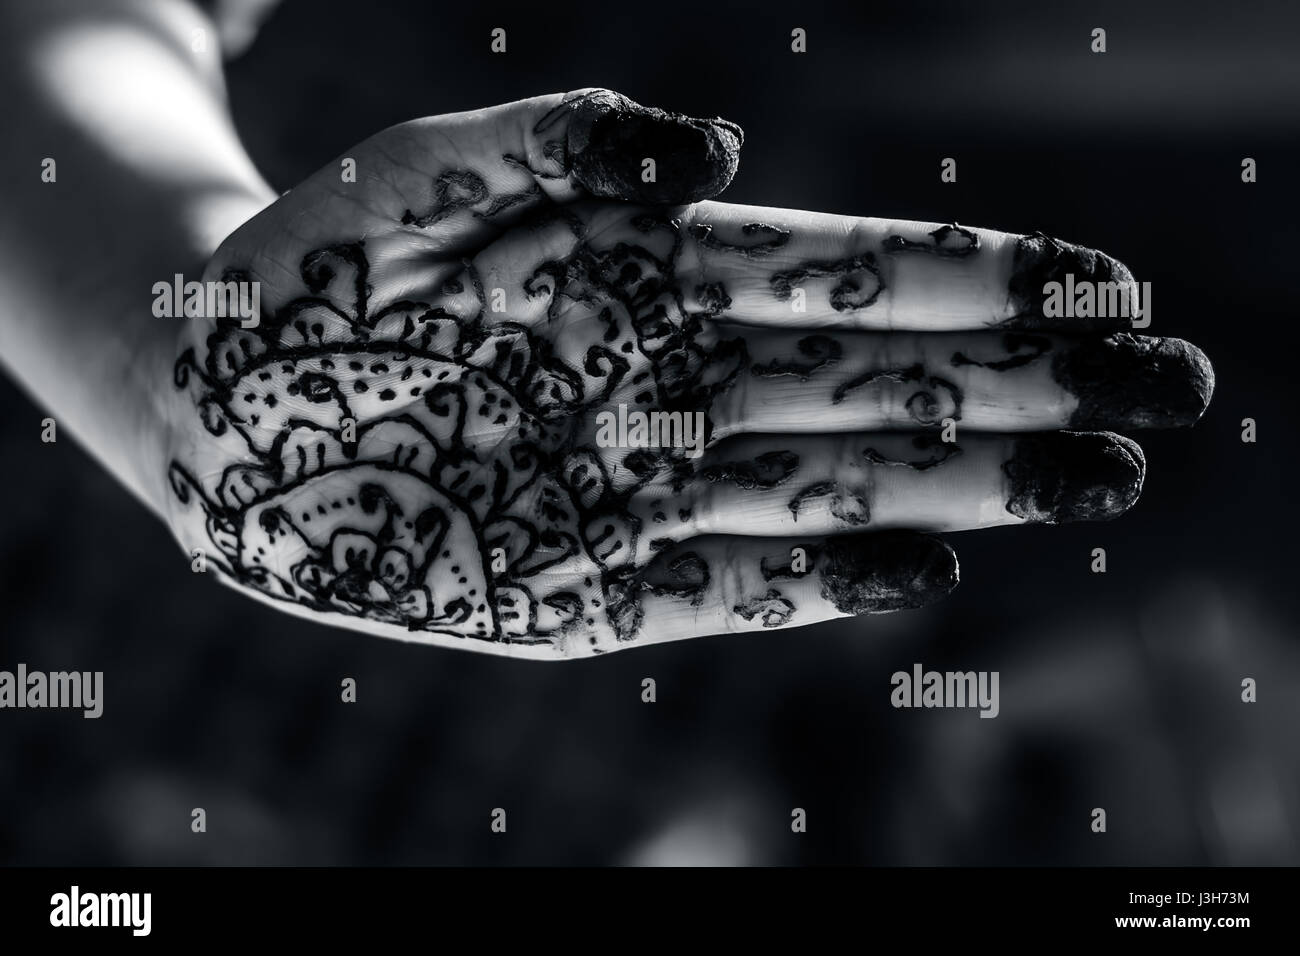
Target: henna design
<point>429,465</point>
<point>819,350</point>
<point>553,151</point>
<point>817,490</point>
<point>949,242</point>
<point>1013,342</point>
<point>774,607</point>
<point>848,505</point>
<point>942,452</point>
<point>765,471</point>
<point>925,407</point>
<point>851,507</point>
<point>774,238</point>
<point>858,287</point>
<point>684,576</point>
<point>787,571</point>
<point>713,298</point>
<point>453,191</point>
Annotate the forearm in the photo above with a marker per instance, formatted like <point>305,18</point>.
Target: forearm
<point>149,177</point>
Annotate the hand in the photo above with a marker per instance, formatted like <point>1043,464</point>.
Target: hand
<point>432,433</point>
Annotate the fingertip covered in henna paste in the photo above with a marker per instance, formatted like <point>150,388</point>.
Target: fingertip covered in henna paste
<point>1040,259</point>
<point>610,136</point>
<point>1136,381</point>
<point>1060,477</point>
<point>886,571</point>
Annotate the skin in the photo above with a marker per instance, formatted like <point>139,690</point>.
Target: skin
<point>409,442</point>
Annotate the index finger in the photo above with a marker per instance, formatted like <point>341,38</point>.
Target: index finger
<point>763,266</point>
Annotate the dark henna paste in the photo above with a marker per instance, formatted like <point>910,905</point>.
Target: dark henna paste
<point>774,607</point>
<point>1040,259</point>
<point>817,490</point>
<point>713,298</point>
<point>686,576</point>
<point>453,191</point>
<point>940,451</point>
<point>623,604</point>
<point>924,407</point>
<point>770,239</point>
<point>609,136</point>
<point>1135,381</point>
<point>886,571</point>
<point>851,507</point>
<point>766,471</point>
<point>845,296</point>
<point>819,351</point>
<point>1035,346</point>
<point>1058,477</point>
<point>948,242</point>
<point>457,434</point>
<point>787,570</point>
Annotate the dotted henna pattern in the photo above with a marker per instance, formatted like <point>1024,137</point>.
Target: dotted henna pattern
<point>433,465</point>
<point>430,467</point>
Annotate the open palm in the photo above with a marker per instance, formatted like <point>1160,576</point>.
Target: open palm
<point>516,387</point>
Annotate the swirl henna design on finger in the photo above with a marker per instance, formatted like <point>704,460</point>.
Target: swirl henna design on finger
<point>935,399</point>
<point>766,239</point>
<point>946,242</point>
<point>1021,350</point>
<point>815,352</point>
<point>772,608</point>
<point>856,282</point>
<point>938,451</point>
<point>764,471</point>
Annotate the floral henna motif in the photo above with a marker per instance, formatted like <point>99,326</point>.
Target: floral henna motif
<point>434,465</point>
<point>431,466</point>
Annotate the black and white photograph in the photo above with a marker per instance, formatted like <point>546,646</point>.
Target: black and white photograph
<point>619,436</point>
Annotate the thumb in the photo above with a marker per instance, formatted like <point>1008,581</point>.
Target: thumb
<point>608,140</point>
<point>464,176</point>
<point>442,186</point>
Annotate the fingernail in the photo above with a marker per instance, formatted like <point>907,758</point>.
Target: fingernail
<point>1041,259</point>
<point>610,137</point>
<point>886,571</point>
<point>1135,381</point>
<point>1060,477</point>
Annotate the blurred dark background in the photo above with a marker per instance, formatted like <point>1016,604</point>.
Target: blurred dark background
<point>1119,690</point>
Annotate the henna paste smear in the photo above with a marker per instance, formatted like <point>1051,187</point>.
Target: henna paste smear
<point>1135,381</point>
<point>1041,259</point>
<point>609,136</point>
<point>887,571</point>
<point>1059,477</point>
